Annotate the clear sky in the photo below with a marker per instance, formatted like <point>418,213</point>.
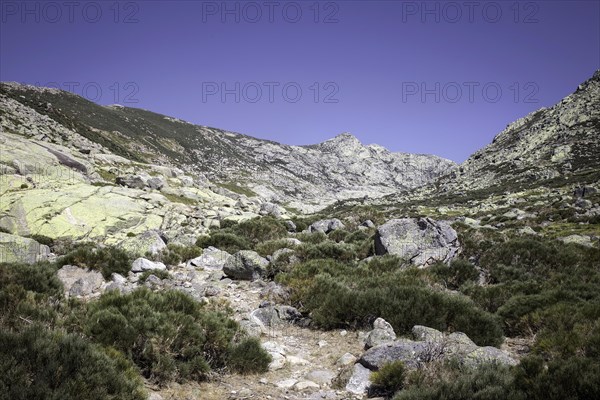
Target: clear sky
<point>437,77</point>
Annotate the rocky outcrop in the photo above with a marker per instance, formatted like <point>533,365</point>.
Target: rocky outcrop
<point>245,265</point>
<point>435,346</point>
<point>16,249</point>
<point>423,241</point>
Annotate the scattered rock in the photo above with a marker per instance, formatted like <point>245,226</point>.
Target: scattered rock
<point>245,265</point>
<point>382,333</point>
<point>211,259</point>
<point>305,385</point>
<point>322,376</point>
<point>346,359</point>
<point>326,225</point>
<point>359,382</point>
<point>143,264</point>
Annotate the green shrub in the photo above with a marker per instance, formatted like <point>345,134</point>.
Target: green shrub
<point>487,382</point>
<point>338,235</point>
<point>271,246</point>
<point>174,254</point>
<point>107,260</point>
<point>159,273</point>
<point>168,335</point>
<point>340,252</point>
<point>228,242</point>
<point>456,274</point>
<point>41,364</point>
<point>28,293</point>
<point>342,295</point>
<point>388,380</point>
<point>311,238</point>
<point>261,229</point>
<point>248,357</point>
<point>570,378</point>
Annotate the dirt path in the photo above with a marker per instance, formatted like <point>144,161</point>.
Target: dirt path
<point>304,370</point>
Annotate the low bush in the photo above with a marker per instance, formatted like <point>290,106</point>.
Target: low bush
<point>342,295</point>
<point>107,260</point>
<point>388,380</point>
<point>168,335</point>
<point>328,249</point>
<point>453,276</point>
<point>225,241</point>
<point>175,254</point>
<point>28,293</point>
<point>271,246</point>
<point>159,273</point>
<point>40,364</point>
<point>248,357</point>
<point>487,382</point>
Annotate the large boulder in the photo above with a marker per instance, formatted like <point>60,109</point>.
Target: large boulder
<point>211,259</point>
<point>407,351</point>
<point>146,242</point>
<point>423,241</point>
<point>326,225</point>
<point>17,249</point>
<point>245,265</point>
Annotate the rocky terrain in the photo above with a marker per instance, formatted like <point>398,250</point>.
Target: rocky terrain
<point>416,278</point>
<point>304,178</point>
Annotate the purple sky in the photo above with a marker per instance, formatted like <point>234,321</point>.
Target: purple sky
<point>371,58</point>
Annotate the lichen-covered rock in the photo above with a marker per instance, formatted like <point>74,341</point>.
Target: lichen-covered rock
<point>142,264</point>
<point>423,241</point>
<point>359,381</point>
<point>271,316</point>
<point>326,225</point>
<point>211,259</point>
<point>245,265</point>
<point>17,249</point>
<point>382,333</point>
<point>407,351</point>
<point>486,355</point>
<point>144,243</point>
<point>426,334</point>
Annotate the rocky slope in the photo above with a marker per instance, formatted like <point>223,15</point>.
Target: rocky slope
<point>551,147</point>
<point>58,183</point>
<point>300,177</point>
